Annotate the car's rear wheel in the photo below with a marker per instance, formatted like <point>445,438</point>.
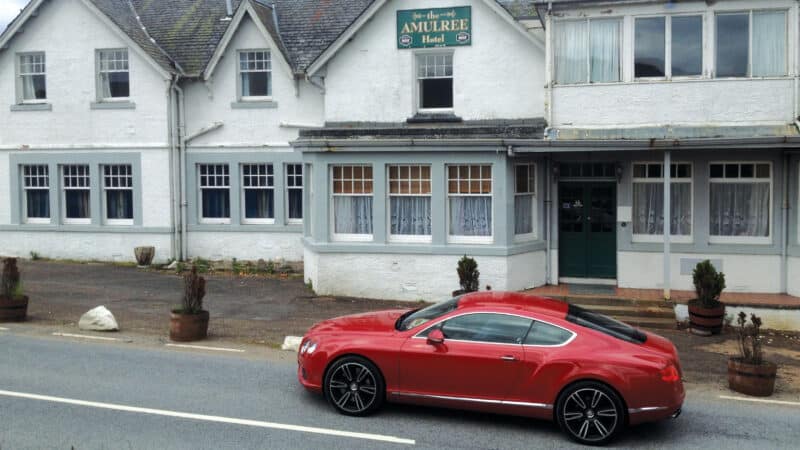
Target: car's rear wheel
<point>354,386</point>
<point>590,413</point>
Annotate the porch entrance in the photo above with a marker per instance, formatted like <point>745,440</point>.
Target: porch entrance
<point>587,223</point>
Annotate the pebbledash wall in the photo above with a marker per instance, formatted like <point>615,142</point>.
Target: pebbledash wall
<point>72,128</point>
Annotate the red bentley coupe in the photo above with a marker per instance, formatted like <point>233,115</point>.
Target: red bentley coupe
<point>497,352</point>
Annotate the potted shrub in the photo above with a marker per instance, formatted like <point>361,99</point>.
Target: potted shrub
<point>13,304</point>
<point>144,256</point>
<point>706,312</point>
<point>748,373</point>
<point>468,275</point>
<point>190,321</point>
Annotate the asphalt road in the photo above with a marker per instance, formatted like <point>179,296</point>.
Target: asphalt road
<point>62,393</point>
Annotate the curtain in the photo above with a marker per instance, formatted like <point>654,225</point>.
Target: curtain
<point>295,203</point>
<point>648,204</point>
<point>523,214</point>
<point>259,204</point>
<point>33,87</point>
<point>77,203</point>
<point>604,47</point>
<point>769,43</point>
<point>411,216</point>
<point>352,214</point>
<point>119,204</point>
<point>216,204</point>
<point>105,85</point>
<point>571,50</point>
<point>470,216</point>
<point>38,203</point>
<point>740,209</point>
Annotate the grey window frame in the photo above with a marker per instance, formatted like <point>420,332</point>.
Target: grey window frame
<point>269,173</point>
<point>127,178</point>
<point>39,176</point>
<point>20,91</point>
<point>100,99</point>
<point>239,71</point>
<point>201,188</point>
<point>750,12</point>
<point>288,189</point>
<point>64,188</point>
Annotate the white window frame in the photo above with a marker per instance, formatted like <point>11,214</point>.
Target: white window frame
<point>200,188</point>
<point>674,238</point>
<point>99,55</point>
<point>105,188</point>
<point>41,177</point>
<point>407,238</point>
<point>788,41</point>
<point>239,71</point>
<point>294,221</point>
<point>332,220</point>
<point>588,81</point>
<point>64,188</point>
<point>458,239</point>
<point>418,80</point>
<point>754,240</point>
<point>668,47</point>
<point>532,191</point>
<point>21,75</point>
<point>269,187</point>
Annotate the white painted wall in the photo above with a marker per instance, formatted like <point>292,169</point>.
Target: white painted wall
<point>501,75</point>
<point>793,278</point>
<point>743,273</point>
<point>156,195</point>
<point>772,318</point>
<point>414,277</point>
<point>5,186</point>
<point>83,246</point>
<point>246,245</point>
<point>69,33</point>
<point>206,103</point>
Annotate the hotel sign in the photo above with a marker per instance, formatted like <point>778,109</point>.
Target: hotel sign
<point>436,27</point>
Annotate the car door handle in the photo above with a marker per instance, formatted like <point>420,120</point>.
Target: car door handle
<point>508,358</point>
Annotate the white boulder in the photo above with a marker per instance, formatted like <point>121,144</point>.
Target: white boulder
<point>98,319</point>
<point>291,343</point>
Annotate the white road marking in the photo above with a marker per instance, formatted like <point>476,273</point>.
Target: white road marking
<point>759,400</point>
<point>84,336</point>
<point>218,419</point>
<point>3,329</point>
<point>202,347</point>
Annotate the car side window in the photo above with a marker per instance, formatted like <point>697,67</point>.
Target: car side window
<point>545,334</point>
<point>487,327</point>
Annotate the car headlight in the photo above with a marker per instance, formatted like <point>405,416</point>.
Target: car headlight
<point>304,347</point>
<point>311,348</point>
<point>308,347</point>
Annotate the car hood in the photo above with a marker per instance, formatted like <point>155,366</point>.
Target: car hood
<point>365,322</point>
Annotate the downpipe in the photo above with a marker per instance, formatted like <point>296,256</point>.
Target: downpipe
<point>182,169</point>
<point>785,225</point>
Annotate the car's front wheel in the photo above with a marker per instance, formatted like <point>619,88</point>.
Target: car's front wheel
<point>590,413</point>
<point>354,386</point>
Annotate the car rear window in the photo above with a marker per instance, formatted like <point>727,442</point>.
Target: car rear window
<point>605,325</point>
<point>547,335</point>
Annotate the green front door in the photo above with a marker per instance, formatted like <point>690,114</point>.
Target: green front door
<point>587,230</point>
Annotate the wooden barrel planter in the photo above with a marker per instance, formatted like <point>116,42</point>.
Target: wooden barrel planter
<point>13,309</point>
<point>751,379</point>
<point>188,327</point>
<point>706,321</point>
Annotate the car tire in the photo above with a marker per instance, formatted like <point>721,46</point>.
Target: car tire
<point>590,413</point>
<point>354,386</point>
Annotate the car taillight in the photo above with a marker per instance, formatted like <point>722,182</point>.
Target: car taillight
<point>670,374</point>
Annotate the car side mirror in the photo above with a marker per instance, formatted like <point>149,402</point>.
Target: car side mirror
<point>436,337</point>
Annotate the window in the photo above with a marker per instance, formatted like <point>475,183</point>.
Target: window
<point>435,80</point>
<point>487,327</point>
<point>751,44</point>
<point>36,184</point>
<point>648,201</point>
<point>524,199</point>
<point>33,78</point>
<point>352,202</point>
<point>294,192</point>
<point>418,317</point>
<point>255,74</point>
<point>604,324</point>
<point>587,51</point>
<point>666,47</point>
<point>215,193</point>
<point>258,192</point>
<point>118,186</point>
<point>740,202</point>
<point>469,191</point>
<point>113,75</point>
<point>410,202</point>
<point>76,185</point>
<point>544,334</point>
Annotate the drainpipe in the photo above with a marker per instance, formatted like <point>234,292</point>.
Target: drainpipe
<point>667,223</point>
<point>173,164</point>
<point>547,210</point>
<point>785,226</point>
<point>182,164</point>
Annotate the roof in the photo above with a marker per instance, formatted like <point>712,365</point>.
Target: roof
<point>515,300</point>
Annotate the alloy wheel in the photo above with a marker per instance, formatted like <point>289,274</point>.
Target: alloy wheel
<point>352,387</point>
<point>590,415</point>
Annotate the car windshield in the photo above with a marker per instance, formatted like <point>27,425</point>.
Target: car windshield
<point>416,318</point>
<point>605,324</point>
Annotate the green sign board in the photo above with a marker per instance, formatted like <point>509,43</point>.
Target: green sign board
<point>436,27</point>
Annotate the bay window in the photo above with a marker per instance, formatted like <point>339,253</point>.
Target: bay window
<point>740,204</point>
<point>648,202</point>
<point>524,199</point>
<point>410,203</point>
<point>214,184</point>
<point>469,191</point>
<point>36,184</point>
<point>294,192</point>
<point>76,187</point>
<point>258,191</point>
<point>118,187</point>
<point>352,202</point>
<point>751,44</point>
<point>668,46</point>
<point>587,51</point>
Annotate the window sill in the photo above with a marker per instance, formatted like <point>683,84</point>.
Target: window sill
<point>410,239</point>
<point>659,239</point>
<point>740,240</point>
<point>215,221</point>
<point>480,240</point>
<point>119,222</point>
<point>430,117</point>
<point>32,107</point>
<point>254,104</point>
<point>352,238</point>
<point>112,105</point>
<point>77,221</point>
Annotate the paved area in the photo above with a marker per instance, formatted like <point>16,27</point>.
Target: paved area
<point>64,394</point>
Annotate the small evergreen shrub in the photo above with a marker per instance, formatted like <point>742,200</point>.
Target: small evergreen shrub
<point>194,289</point>
<point>708,284</point>
<point>468,274</point>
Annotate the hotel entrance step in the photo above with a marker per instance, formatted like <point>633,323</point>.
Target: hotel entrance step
<point>639,313</point>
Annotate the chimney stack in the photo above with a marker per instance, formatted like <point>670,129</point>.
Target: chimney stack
<point>229,7</point>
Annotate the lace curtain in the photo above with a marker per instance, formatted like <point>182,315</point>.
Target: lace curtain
<point>470,216</point>
<point>605,43</point>
<point>578,42</point>
<point>259,203</point>
<point>352,214</point>
<point>523,214</point>
<point>571,51</point>
<point>769,43</point>
<point>411,215</point>
<point>739,209</point>
<point>648,204</point>
<point>119,204</point>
